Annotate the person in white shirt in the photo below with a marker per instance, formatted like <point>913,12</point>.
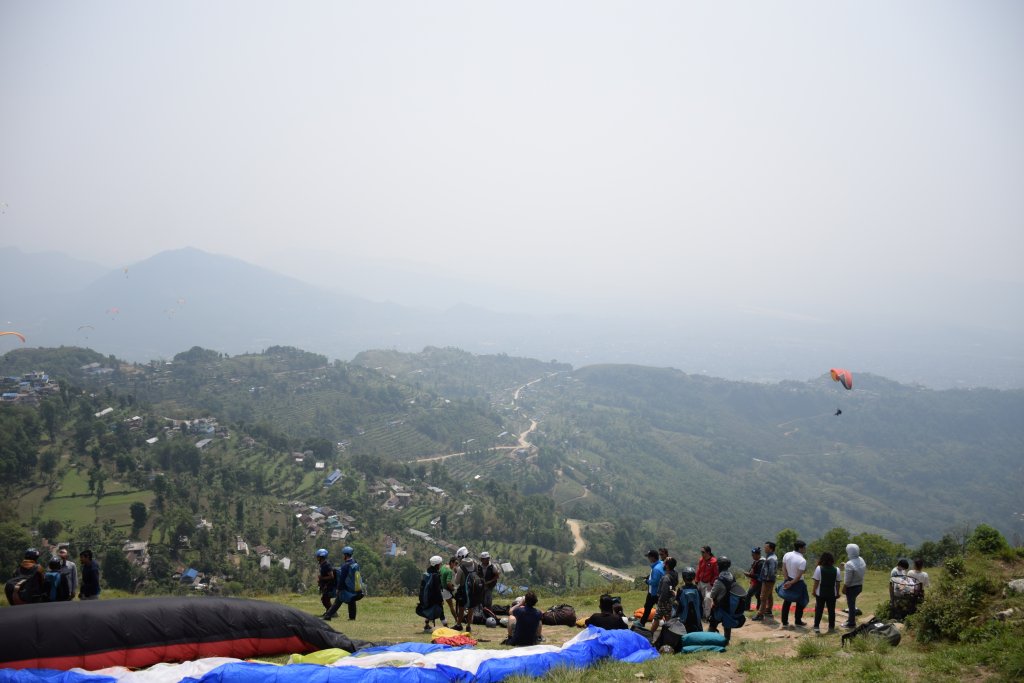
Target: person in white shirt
<point>794,564</point>
<point>920,576</point>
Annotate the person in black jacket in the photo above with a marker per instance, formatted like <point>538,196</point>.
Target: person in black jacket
<point>90,587</point>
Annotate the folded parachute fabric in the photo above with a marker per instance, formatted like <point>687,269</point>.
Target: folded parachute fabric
<point>404,663</point>
<point>140,632</point>
<point>455,641</point>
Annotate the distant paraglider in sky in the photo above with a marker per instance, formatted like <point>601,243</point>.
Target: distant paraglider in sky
<point>844,377</point>
<point>19,335</point>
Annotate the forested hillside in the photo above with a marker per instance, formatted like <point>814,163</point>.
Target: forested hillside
<point>197,454</point>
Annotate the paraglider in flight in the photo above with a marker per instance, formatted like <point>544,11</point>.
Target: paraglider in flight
<point>838,412</point>
<point>844,377</point>
<point>19,335</point>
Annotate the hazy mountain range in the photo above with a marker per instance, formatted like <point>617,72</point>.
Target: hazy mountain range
<point>178,299</point>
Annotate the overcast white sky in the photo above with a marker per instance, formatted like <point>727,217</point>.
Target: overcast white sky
<point>760,153</point>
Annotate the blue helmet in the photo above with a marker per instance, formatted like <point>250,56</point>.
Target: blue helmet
<point>347,550</point>
<point>322,552</point>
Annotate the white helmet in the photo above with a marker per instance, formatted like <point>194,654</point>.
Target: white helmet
<point>485,555</point>
<point>435,561</point>
<point>462,552</point>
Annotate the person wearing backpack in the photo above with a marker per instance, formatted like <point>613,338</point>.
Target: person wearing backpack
<point>689,602</point>
<point>431,604</point>
<point>666,596</point>
<point>348,583</point>
<point>56,585</point>
<point>26,585</point>
<point>727,599</point>
<point>468,589</point>
<point>826,590</point>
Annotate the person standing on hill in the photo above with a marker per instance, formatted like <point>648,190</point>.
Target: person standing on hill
<point>653,581</point>
<point>725,586</point>
<point>769,571</point>
<point>826,590</point>
<point>448,587</point>
<point>345,578</point>
<point>326,580</point>
<point>463,599</point>
<point>853,582</point>
<point>490,574</point>
<point>26,584</point>
<point>754,592</point>
<point>707,572</point>
<point>666,596</point>
<point>794,564</point>
<point>69,568</point>
<point>431,604</point>
<point>90,588</point>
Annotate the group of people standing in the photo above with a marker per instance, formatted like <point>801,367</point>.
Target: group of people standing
<point>339,585</point>
<point>57,581</point>
<point>704,594</point>
<point>464,584</point>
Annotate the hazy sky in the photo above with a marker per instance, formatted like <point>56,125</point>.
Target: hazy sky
<point>766,154</point>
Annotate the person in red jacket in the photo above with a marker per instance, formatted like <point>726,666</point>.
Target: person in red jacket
<point>707,573</point>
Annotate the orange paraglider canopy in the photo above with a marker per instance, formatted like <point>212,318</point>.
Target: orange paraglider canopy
<point>844,377</point>
<point>19,335</point>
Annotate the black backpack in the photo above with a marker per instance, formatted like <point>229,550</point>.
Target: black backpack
<point>23,590</point>
<point>475,589</point>
<point>731,607</point>
<point>56,587</point>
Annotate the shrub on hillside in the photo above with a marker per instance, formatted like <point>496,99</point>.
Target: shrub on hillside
<point>987,541</point>
<point>956,607</point>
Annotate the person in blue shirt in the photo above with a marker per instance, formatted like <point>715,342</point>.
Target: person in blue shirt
<point>346,592</point>
<point>653,581</point>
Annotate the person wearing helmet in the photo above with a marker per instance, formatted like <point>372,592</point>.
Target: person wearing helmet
<point>325,580</point>
<point>721,611</point>
<point>431,604</point>
<point>490,574</point>
<point>26,586</point>
<point>345,585</point>
<point>689,602</point>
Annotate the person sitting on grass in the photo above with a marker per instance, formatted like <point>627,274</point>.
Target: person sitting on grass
<point>524,625</point>
<point>606,618</point>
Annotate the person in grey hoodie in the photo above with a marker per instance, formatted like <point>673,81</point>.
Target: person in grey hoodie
<point>853,581</point>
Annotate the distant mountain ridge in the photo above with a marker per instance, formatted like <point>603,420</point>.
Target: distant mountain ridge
<point>186,297</point>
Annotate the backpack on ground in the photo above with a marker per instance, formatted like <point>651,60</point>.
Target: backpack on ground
<point>474,589</point>
<point>672,633</point>
<point>730,608</point>
<point>878,629</point>
<point>689,605</point>
<point>559,615</point>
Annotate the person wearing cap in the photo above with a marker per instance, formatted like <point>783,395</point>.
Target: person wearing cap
<point>754,592</point>
<point>345,576</point>
<point>653,583</point>
<point>490,574</point>
<point>431,604</point>
<point>325,580</point>
<point>766,578</point>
